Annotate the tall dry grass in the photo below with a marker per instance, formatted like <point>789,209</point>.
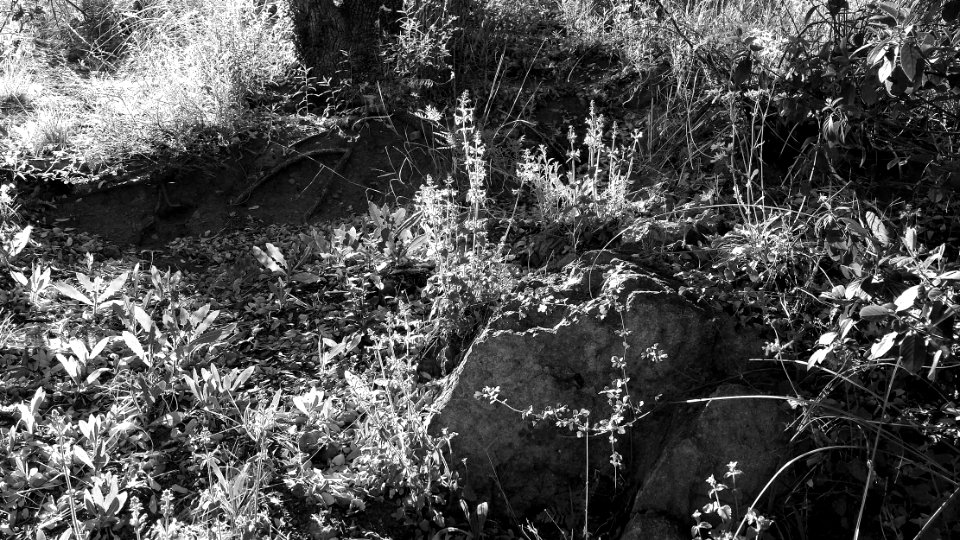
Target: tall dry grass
<point>187,67</point>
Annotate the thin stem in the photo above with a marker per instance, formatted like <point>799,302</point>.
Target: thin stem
<point>586,476</point>
<point>786,466</point>
<point>74,521</point>
<point>873,453</point>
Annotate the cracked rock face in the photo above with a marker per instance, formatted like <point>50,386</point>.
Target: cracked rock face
<point>555,349</point>
<point>737,425</point>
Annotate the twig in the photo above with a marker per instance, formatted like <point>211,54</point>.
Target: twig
<point>164,206</point>
<point>935,515</point>
<point>309,138</point>
<point>242,198</point>
<point>337,169</point>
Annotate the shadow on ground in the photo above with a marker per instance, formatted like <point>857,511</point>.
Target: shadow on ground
<point>346,169</point>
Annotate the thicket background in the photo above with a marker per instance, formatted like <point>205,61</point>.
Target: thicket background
<point>793,163</point>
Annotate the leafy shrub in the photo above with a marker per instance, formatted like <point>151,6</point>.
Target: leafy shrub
<point>595,188</point>
<point>192,65</point>
<point>52,127</point>
<point>420,53</point>
<point>18,85</point>
<point>187,70</point>
<point>856,92</point>
<point>470,268</point>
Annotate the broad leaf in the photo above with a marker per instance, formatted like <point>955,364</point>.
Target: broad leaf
<point>142,318</point>
<point>70,291</point>
<point>817,357</point>
<point>276,255</point>
<point>875,56</point>
<point>907,298</point>
<point>98,348</point>
<point>208,319</point>
<point>83,456</point>
<point>846,324</point>
<point>212,336</point>
<point>37,399</point>
<point>88,285</point>
<point>910,239</point>
<point>482,510</point>
<point>27,417</point>
<point>856,227</point>
<point>242,378</point>
<point>79,350</point>
<point>197,316</point>
<point>113,287</point>
<point>97,373</point>
<point>192,385</point>
<point>913,352</point>
<point>883,346</point>
<point>300,403</point>
<point>134,345</point>
<point>265,260</point>
<point>878,228</point>
<point>891,9</point>
<point>885,69</point>
<point>952,275</point>
<point>20,241</point>
<point>909,60</point>
<point>875,312</point>
<point>938,356</point>
<point>71,366</point>
<point>19,278</point>
<point>305,277</point>
<point>827,339</point>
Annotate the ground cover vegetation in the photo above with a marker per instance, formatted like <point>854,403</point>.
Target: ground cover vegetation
<point>793,164</point>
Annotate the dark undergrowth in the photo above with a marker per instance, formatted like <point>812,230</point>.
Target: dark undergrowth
<point>790,164</point>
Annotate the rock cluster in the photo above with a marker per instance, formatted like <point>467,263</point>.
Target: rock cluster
<point>555,348</point>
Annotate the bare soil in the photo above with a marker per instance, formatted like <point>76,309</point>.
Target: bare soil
<point>192,198</point>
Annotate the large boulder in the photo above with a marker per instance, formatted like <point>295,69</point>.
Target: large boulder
<point>555,348</point>
<point>654,527</point>
<point>736,426</point>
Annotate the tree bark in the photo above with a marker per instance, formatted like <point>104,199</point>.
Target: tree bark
<point>342,38</point>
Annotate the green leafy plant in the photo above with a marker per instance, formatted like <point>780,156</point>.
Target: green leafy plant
<point>720,521</point>
<point>77,364</point>
<point>411,461</point>
<point>52,128</point>
<point>420,53</point>
<point>18,87</point>
<point>13,237</point>
<point>590,192</point>
<point>103,506</point>
<point>96,293</point>
<point>215,391</point>
<point>235,492</point>
<point>34,285</point>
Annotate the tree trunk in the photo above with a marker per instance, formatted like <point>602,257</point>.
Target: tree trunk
<point>341,38</point>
